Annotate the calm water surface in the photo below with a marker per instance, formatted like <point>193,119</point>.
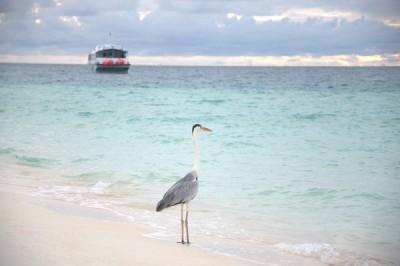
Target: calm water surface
<point>304,160</point>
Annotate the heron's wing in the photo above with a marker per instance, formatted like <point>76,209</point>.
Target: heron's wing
<point>183,185</point>
<point>185,189</point>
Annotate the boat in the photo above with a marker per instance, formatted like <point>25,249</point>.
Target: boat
<point>109,58</point>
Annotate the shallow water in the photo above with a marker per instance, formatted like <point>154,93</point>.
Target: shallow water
<point>306,160</point>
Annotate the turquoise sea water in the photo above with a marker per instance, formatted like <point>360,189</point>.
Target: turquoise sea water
<point>303,160</point>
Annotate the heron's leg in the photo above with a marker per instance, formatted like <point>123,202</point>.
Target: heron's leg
<point>186,223</point>
<point>182,227</point>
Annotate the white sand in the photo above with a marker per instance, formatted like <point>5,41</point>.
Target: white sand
<point>36,231</point>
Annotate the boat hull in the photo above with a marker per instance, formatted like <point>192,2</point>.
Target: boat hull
<point>111,68</point>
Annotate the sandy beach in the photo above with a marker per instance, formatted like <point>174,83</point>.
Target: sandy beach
<point>36,231</point>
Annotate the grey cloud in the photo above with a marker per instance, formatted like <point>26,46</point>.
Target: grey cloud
<point>23,6</point>
<point>91,8</point>
<point>385,8</point>
<point>261,7</point>
<point>189,28</point>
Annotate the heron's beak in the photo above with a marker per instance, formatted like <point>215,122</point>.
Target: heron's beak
<point>206,129</point>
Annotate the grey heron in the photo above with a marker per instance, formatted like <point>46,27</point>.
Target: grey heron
<point>185,189</point>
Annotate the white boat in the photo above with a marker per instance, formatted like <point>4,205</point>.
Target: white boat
<point>109,58</point>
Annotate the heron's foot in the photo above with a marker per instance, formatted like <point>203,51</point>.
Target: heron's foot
<point>187,242</point>
<point>181,242</point>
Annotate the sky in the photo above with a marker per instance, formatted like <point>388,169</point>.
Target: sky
<point>204,32</point>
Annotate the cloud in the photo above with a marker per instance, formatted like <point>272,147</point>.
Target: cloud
<point>145,8</point>
<point>299,60</point>
<point>395,23</point>
<point>301,15</point>
<point>220,25</point>
<point>234,16</point>
<point>189,28</point>
<point>73,20</point>
<point>36,8</point>
<point>58,2</point>
<point>143,14</point>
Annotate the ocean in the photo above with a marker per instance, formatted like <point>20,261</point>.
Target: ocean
<point>303,161</point>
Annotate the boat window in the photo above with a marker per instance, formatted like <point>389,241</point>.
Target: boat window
<point>112,53</point>
<point>118,53</point>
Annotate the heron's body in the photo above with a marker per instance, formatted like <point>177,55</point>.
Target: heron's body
<point>185,189</point>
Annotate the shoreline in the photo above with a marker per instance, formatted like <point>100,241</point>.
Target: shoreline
<point>37,231</point>
<point>22,204</point>
<point>41,231</point>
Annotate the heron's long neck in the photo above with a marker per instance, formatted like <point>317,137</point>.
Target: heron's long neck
<point>196,160</point>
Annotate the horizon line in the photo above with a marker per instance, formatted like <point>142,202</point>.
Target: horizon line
<point>341,60</point>
<point>233,66</point>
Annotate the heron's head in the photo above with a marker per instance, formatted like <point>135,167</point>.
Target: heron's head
<point>199,128</point>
